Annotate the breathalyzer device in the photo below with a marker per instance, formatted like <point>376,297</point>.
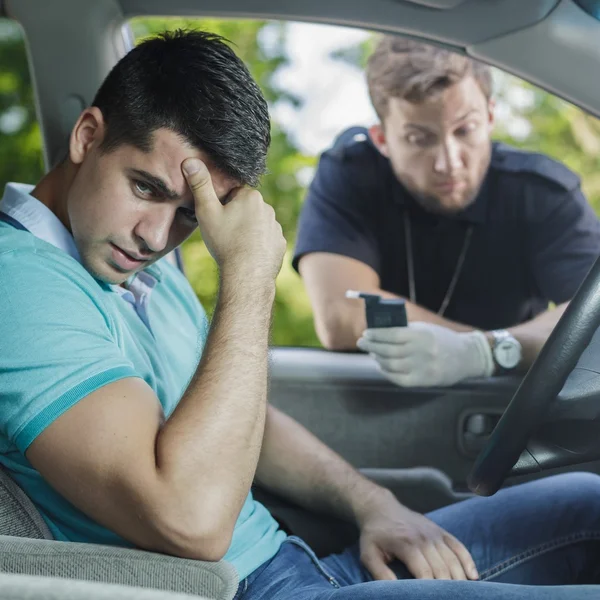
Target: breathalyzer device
<point>382,312</point>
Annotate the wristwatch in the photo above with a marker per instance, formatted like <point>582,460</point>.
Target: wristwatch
<point>506,350</point>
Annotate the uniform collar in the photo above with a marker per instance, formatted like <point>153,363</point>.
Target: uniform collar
<point>19,204</point>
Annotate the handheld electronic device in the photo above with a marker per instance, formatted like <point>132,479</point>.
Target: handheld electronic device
<point>382,312</point>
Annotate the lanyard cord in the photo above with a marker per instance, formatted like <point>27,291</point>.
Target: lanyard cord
<point>410,265</point>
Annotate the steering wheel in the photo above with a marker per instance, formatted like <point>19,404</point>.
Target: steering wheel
<point>507,445</point>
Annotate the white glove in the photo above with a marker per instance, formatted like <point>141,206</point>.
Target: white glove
<point>424,354</point>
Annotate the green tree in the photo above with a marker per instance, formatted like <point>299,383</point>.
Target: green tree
<point>558,129</point>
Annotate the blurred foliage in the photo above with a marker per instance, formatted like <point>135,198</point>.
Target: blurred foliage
<point>20,139</point>
<point>557,128</point>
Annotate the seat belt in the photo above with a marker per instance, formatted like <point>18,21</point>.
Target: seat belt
<point>12,221</point>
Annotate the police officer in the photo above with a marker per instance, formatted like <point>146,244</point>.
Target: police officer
<point>476,236</point>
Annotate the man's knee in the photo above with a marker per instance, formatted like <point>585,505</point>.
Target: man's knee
<point>578,491</point>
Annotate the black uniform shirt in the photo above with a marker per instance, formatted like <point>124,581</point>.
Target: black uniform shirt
<point>534,235</point>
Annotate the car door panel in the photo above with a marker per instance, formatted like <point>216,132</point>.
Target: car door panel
<point>344,400</point>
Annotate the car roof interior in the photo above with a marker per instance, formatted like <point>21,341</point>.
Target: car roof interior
<point>551,43</point>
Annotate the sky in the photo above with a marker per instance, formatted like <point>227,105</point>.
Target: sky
<point>334,93</point>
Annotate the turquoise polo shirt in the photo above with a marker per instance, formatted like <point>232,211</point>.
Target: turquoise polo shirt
<point>64,334</point>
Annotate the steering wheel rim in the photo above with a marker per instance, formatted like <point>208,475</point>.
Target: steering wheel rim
<point>539,388</point>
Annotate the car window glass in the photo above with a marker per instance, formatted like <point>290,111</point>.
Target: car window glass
<point>312,76</point>
<point>20,140</point>
<point>313,80</point>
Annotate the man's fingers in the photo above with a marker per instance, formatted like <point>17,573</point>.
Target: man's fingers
<point>198,178</point>
<point>466,560</point>
<point>439,568</point>
<point>454,565</point>
<point>416,563</point>
<point>376,565</point>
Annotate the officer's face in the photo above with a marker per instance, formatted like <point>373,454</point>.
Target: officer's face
<point>127,208</point>
<point>439,149</point>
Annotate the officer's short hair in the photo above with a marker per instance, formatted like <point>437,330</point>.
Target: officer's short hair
<point>404,68</point>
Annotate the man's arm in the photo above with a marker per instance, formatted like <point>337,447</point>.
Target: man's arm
<point>340,321</point>
<point>296,465</point>
<point>178,486</point>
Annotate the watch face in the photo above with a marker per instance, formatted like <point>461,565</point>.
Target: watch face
<point>508,354</point>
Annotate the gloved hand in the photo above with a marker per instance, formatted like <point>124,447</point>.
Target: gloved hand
<point>424,354</point>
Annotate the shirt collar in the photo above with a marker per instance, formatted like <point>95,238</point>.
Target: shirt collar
<point>19,204</point>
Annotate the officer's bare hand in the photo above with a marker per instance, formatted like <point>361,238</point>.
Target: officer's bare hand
<point>242,236</point>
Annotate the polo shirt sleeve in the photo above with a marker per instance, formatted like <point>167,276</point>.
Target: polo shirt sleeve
<point>564,239</point>
<point>57,343</point>
<point>338,212</point>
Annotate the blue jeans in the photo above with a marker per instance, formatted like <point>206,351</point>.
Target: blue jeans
<point>523,539</point>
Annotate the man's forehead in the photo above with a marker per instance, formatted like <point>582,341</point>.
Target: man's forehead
<point>165,158</point>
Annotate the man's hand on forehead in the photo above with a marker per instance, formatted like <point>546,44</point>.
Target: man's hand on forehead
<point>224,186</point>
<point>242,236</point>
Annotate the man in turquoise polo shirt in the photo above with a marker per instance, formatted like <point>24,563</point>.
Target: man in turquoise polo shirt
<point>127,421</point>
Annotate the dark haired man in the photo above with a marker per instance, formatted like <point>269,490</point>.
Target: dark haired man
<point>477,237</point>
<point>127,422</point>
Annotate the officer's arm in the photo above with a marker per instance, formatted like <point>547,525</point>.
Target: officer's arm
<point>533,334</point>
<point>340,321</point>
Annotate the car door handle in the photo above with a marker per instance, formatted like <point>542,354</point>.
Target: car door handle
<point>474,429</point>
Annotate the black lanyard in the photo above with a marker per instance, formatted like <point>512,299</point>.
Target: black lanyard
<point>410,266</point>
<point>12,221</point>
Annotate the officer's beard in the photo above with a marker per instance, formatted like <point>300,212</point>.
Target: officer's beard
<point>439,205</point>
<point>436,205</point>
